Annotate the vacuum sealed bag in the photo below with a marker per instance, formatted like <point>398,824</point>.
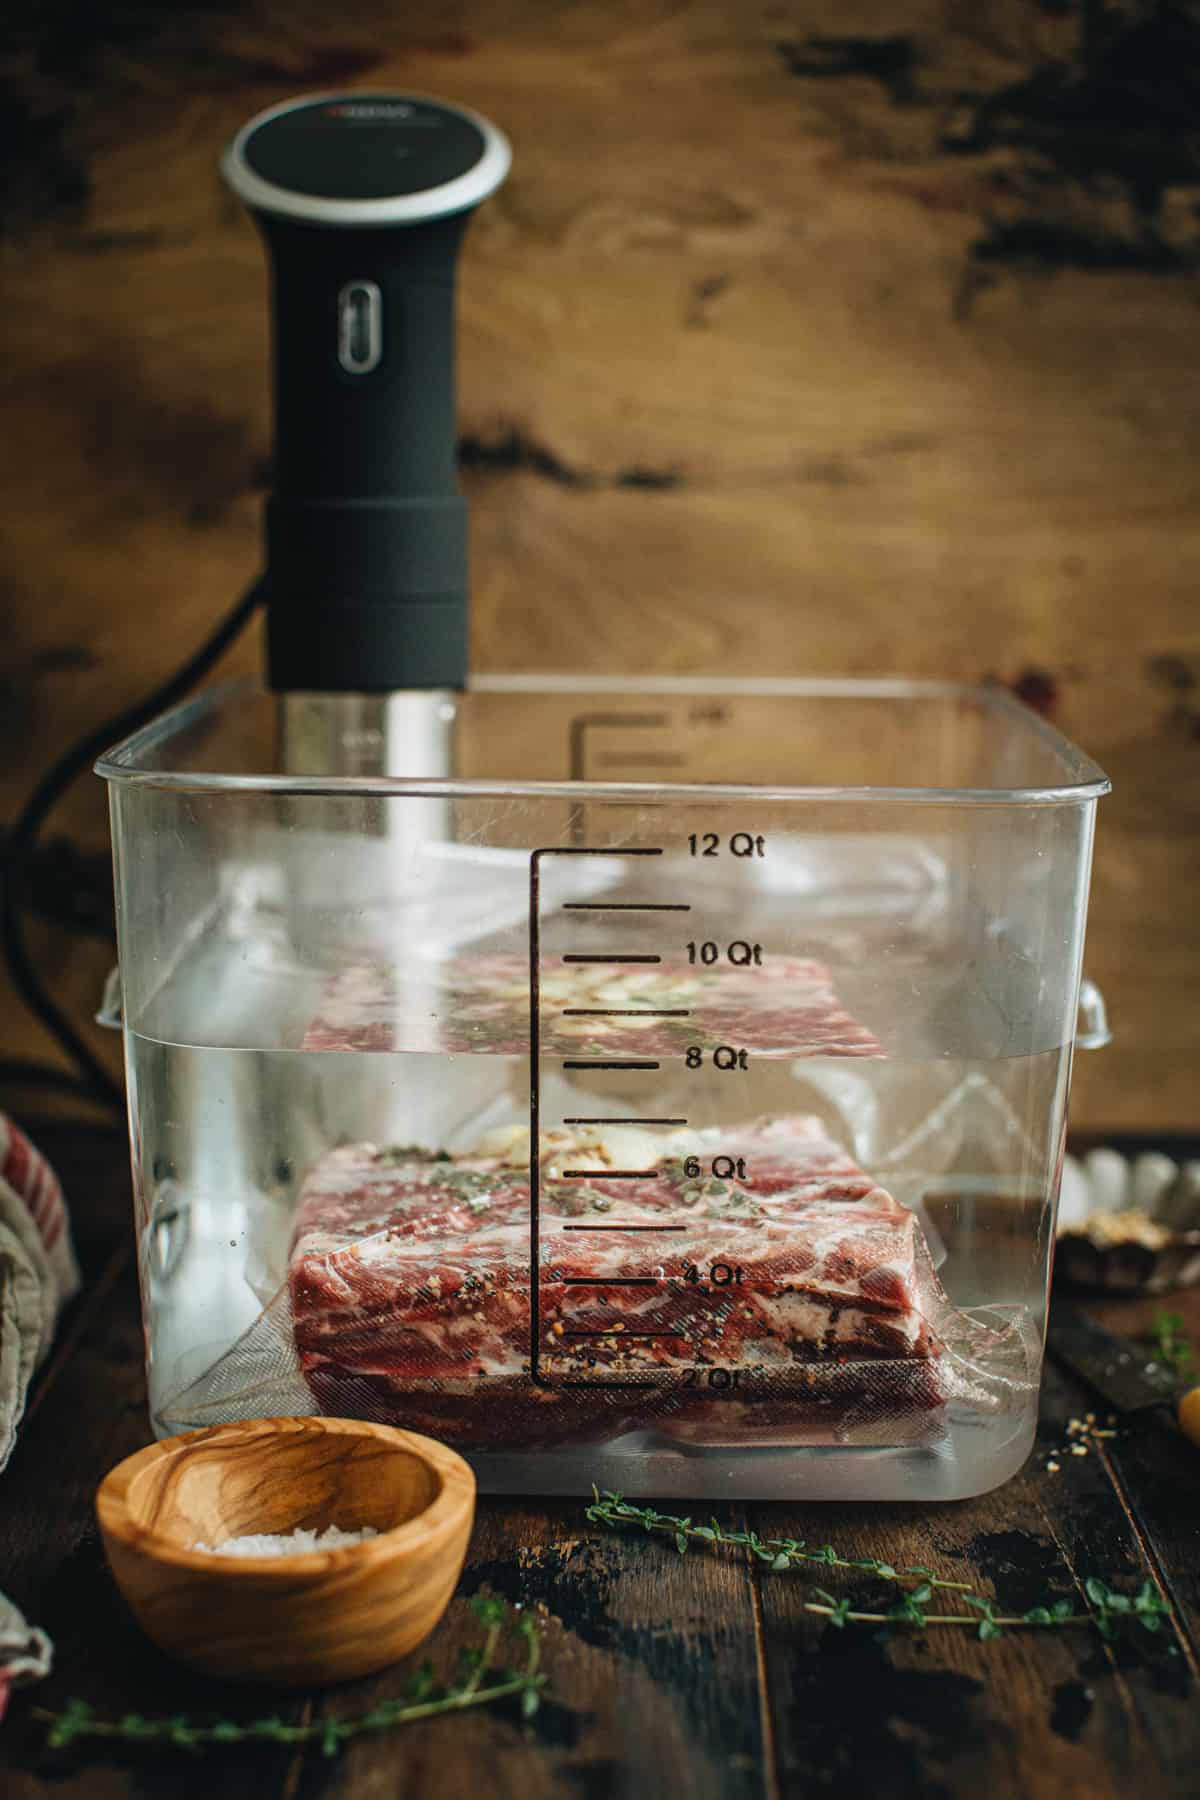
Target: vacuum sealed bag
<point>779,1006</point>
<point>790,1299</point>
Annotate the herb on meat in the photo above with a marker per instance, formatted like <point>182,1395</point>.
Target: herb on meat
<point>409,1153</point>
<point>466,1184</point>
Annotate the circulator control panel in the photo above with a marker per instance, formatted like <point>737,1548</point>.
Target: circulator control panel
<point>366,159</point>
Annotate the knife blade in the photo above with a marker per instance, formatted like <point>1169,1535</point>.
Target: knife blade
<point>1122,1372</point>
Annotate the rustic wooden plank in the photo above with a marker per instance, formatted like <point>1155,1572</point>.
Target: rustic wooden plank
<point>653,1663</point>
<point>1032,1713</point>
<point>94,1414</point>
<point>1157,1471</point>
<point>87,1410</point>
<point>654,1681</point>
<point>826,358</point>
<point>652,1656</point>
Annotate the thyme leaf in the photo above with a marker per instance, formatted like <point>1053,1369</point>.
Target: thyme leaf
<point>1169,1344</point>
<point>477,1683</point>
<point>1107,1609</point>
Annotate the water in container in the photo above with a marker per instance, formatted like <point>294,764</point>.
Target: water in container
<point>673,1098</point>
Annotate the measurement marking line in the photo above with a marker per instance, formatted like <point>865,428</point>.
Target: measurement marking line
<point>645,759</point>
<point>610,1281</point>
<point>626,1336</point>
<point>626,1012</point>
<point>577,732</point>
<point>535,1103</point>
<point>587,957</point>
<point>608,1174</point>
<point>535,1004</point>
<point>624,906</point>
<point>608,1121</point>
<point>612,1065</point>
<point>607,1384</point>
<point>624,1228</point>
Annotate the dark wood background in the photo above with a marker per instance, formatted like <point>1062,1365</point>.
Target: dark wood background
<point>807,336</point>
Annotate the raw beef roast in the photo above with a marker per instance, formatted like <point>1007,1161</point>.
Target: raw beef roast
<point>791,1291</point>
<point>782,1006</point>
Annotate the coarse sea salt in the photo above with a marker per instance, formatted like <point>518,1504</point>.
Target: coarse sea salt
<point>288,1543</point>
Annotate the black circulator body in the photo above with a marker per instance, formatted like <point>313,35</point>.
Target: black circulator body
<point>363,199</point>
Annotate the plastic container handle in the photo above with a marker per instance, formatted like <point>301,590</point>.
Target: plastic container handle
<point>1093,1032</point>
<point>110,1014</point>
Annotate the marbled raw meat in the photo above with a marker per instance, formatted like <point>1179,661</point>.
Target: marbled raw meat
<point>784,1006</point>
<point>410,1289</point>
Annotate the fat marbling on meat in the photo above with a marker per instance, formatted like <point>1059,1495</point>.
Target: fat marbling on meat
<point>795,1294</point>
<point>783,1006</point>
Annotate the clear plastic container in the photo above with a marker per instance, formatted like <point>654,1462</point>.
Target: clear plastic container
<point>780,977</point>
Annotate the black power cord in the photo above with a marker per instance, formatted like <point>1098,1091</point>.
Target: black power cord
<point>94,1082</point>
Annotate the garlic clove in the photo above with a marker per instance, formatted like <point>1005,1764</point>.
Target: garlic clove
<point>1180,1205</point>
<point>582,1028</point>
<point>1074,1200</point>
<point>1108,1181</point>
<point>1150,1181</point>
<point>639,979</point>
<point>612,993</point>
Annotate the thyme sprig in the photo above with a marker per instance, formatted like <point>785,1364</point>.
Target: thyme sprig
<point>616,1512</point>
<point>1108,1611</point>
<point>423,1698</point>
<point>1169,1343</point>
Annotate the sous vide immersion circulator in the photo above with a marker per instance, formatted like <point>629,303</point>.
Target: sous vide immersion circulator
<point>672,1100</point>
<point>363,200</point>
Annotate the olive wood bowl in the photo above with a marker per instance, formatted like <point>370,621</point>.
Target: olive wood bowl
<point>316,1616</point>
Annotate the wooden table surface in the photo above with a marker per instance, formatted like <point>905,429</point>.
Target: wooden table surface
<point>696,1676</point>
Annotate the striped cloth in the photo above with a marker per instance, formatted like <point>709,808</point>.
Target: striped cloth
<point>38,1275</point>
<point>38,1272</point>
<point>27,1175</point>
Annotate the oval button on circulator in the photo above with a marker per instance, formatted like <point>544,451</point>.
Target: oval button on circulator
<point>360,327</point>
